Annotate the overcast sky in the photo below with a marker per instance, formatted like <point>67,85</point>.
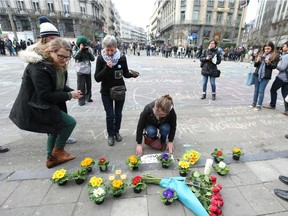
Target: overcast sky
<point>138,12</point>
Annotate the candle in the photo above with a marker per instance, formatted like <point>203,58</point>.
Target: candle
<point>208,166</point>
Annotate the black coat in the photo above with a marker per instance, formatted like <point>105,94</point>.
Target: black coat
<point>268,68</point>
<point>38,104</point>
<point>208,67</point>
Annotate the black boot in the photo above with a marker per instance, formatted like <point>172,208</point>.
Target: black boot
<point>203,96</point>
<point>213,96</point>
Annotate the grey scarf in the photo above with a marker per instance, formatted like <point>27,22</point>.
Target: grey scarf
<point>114,59</point>
<point>261,71</point>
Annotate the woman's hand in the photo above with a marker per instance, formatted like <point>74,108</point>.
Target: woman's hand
<point>109,64</point>
<point>134,73</point>
<point>170,147</point>
<point>139,150</point>
<point>76,94</point>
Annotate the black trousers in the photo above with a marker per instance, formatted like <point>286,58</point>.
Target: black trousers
<point>84,84</point>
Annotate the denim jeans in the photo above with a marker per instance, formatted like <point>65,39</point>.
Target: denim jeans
<point>59,140</point>
<point>259,90</point>
<point>164,130</point>
<point>113,114</point>
<point>84,84</point>
<point>278,83</point>
<point>212,82</point>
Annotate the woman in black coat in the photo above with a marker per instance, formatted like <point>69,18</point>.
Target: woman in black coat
<point>40,105</point>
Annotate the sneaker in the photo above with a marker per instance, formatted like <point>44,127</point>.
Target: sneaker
<point>71,140</point>
<point>90,100</point>
<point>285,113</point>
<point>252,105</point>
<point>268,107</point>
<point>111,141</point>
<point>118,137</point>
<point>3,149</point>
<point>257,108</point>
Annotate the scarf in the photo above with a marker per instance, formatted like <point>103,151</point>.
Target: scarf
<point>261,71</point>
<point>114,59</point>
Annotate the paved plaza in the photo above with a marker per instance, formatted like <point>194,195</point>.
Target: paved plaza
<point>227,122</point>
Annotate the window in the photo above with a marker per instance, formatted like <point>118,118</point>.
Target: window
<point>1,4</point>
<point>210,2</point>
<point>182,15</point>
<point>35,5</point>
<point>183,3</point>
<point>219,17</point>
<point>231,3</point>
<point>220,3</point>
<point>66,6</point>
<point>83,10</point>
<point>196,2</point>
<point>195,15</point>
<point>20,5</point>
<point>229,18</point>
<point>50,6</point>
<point>208,17</point>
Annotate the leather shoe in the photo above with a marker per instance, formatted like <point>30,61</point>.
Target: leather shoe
<point>111,141</point>
<point>3,149</point>
<point>90,100</point>
<point>283,179</point>
<point>283,194</point>
<point>118,137</point>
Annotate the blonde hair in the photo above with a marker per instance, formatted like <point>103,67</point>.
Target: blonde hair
<point>165,103</point>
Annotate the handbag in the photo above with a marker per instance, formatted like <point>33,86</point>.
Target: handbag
<point>218,72</point>
<point>83,67</point>
<point>250,78</point>
<point>154,143</point>
<point>117,93</point>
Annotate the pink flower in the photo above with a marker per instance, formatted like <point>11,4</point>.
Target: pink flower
<point>215,190</point>
<point>213,179</point>
<point>213,208</point>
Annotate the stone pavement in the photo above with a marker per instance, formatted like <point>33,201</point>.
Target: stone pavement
<point>25,188</point>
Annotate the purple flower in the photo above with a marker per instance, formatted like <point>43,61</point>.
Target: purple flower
<point>168,193</point>
<point>165,156</point>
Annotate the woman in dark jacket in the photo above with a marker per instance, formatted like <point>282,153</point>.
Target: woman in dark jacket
<point>209,61</point>
<point>266,61</point>
<point>40,105</point>
<point>111,67</point>
<point>161,115</point>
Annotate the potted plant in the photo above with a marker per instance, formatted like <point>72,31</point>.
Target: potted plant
<point>97,195</point>
<point>96,182</point>
<point>183,167</point>
<point>87,164</point>
<point>60,177</point>
<point>191,156</point>
<point>221,168</point>
<point>103,164</point>
<point>165,159</point>
<point>168,195</point>
<point>79,176</point>
<point>138,184</point>
<point>117,184</point>
<point>237,153</point>
<point>218,155</point>
<point>133,162</point>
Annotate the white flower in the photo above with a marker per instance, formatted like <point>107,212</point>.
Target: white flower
<point>222,165</point>
<point>98,192</point>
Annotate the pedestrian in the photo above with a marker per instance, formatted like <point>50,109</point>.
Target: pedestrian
<point>281,81</point>
<point>209,61</point>
<point>41,102</point>
<point>111,67</point>
<point>83,56</point>
<point>157,115</point>
<point>265,62</point>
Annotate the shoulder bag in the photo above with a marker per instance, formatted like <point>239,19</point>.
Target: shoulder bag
<point>83,67</point>
<point>117,93</point>
<point>250,78</point>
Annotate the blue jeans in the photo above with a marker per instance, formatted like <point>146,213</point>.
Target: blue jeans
<point>259,90</point>
<point>164,130</point>
<point>113,114</point>
<point>212,82</point>
<point>278,83</point>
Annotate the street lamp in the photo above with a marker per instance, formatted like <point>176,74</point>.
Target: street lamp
<point>148,36</point>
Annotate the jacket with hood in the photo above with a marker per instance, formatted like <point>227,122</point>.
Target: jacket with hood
<point>38,105</point>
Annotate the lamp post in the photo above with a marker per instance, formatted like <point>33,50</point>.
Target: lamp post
<point>12,22</point>
<point>148,36</point>
<point>243,15</point>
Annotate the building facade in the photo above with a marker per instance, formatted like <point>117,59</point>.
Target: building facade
<point>132,34</point>
<point>183,22</point>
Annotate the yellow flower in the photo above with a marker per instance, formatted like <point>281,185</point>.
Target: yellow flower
<point>186,157</point>
<point>58,174</point>
<point>123,177</point>
<point>118,172</point>
<point>236,150</point>
<point>133,159</point>
<point>111,178</point>
<point>86,162</point>
<point>117,183</point>
<point>95,182</point>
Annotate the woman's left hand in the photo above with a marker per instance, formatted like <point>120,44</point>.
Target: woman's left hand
<point>170,147</point>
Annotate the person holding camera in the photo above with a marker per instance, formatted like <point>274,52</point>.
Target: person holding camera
<point>83,56</point>
<point>209,61</point>
<point>265,62</point>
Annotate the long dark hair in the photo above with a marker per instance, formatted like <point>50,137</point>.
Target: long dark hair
<point>272,53</point>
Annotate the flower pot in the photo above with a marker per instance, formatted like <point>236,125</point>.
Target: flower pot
<point>99,202</point>
<point>217,160</point>
<point>89,169</point>
<point>136,190</point>
<point>165,166</point>
<point>135,168</point>
<point>167,202</point>
<point>236,157</point>
<point>79,181</point>
<point>221,174</point>
<point>63,183</point>
<point>183,174</point>
<point>117,195</point>
<point>103,168</point>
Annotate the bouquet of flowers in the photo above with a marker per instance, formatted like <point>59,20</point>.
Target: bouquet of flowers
<point>168,195</point>
<point>191,156</point>
<point>184,167</point>
<point>79,175</point>
<point>87,164</point>
<point>97,195</point>
<point>221,168</point>
<point>103,163</point>
<point>133,162</point>
<point>207,190</point>
<point>218,155</point>
<point>165,159</point>
<point>60,177</point>
<point>138,184</point>
<point>237,153</point>
<point>95,182</point>
<point>117,184</point>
